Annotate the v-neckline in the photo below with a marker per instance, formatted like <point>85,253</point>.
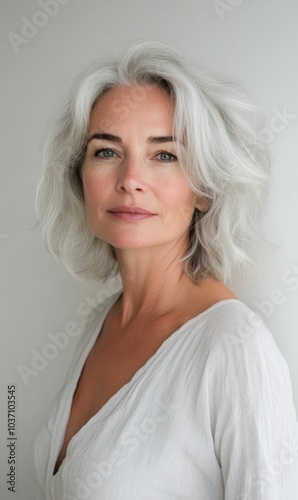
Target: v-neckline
<point>71,387</point>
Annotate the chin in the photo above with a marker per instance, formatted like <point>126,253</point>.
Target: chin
<point>129,243</point>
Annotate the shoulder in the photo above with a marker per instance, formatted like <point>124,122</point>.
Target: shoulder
<point>250,402</point>
<point>239,342</point>
<point>230,321</point>
<point>244,363</point>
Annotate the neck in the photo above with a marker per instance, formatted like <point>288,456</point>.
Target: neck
<point>153,281</point>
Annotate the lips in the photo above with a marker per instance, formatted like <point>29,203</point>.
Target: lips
<point>130,210</point>
<point>130,214</point>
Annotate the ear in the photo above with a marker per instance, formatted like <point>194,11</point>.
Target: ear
<point>202,204</point>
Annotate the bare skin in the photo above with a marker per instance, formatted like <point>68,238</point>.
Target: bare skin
<point>119,353</point>
<point>158,297</point>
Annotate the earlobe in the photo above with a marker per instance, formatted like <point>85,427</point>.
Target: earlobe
<point>202,205</point>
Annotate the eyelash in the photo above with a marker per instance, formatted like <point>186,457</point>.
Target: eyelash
<point>174,158</point>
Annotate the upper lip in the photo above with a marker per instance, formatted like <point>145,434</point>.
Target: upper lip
<point>130,209</point>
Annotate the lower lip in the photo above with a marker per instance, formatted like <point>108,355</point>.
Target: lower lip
<point>130,216</point>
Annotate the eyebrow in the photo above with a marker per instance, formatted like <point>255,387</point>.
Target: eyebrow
<point>116,138</point>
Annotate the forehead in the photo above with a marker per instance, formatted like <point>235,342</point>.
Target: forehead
<point>123,105</point>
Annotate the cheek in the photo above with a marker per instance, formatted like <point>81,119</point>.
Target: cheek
<point>180,196</point>
<point>94,189</point>
<point>179,204</point>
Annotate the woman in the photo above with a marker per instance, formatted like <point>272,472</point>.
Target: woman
<point>156,169</point>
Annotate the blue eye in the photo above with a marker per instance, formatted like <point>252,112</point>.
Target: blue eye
<point>165,156</point>
<point>104,153</point>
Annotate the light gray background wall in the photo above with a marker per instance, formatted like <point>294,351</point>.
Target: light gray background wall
<point>255,41</point>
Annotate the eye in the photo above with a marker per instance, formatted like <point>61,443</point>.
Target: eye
<point>166,156</point>
<point>104,153</point>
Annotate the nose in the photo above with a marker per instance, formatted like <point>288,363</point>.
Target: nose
<point>131,176</point>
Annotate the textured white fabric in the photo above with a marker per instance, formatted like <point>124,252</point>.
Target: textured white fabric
<point>209,416</point>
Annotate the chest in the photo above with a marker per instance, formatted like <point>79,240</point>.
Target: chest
<point>148,432</point>
<point>111,363</point>
<point>108,367</point>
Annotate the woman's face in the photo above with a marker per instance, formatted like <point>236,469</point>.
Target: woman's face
<point>131,162</point>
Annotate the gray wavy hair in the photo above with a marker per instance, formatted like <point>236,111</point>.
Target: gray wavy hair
<point>222,155</point>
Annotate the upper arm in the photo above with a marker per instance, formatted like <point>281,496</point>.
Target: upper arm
<point>253,417</point>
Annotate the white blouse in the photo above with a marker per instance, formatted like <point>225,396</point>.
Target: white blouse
<point>209,416</point>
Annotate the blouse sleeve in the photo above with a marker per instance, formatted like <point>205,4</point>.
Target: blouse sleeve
<point>252,414</point>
